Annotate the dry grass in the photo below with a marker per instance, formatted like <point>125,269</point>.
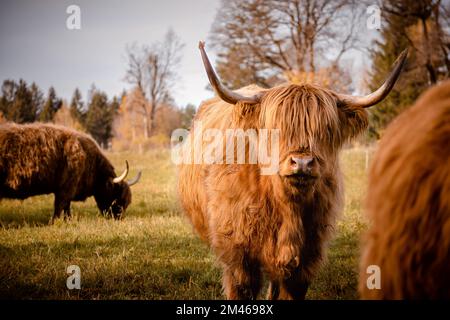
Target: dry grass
<point>151,254</point>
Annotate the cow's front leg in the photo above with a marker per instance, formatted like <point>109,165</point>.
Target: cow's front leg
<point>289,244</point>
<point>57,209</point>
<point>273,291</point>
<point>242,282</point>
<point>294,287</point>
<point>67,213</point>
<point>241,273</point>
<point>60,205</point>
<point>288,257</point>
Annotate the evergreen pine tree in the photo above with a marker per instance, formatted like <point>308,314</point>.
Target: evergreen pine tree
<point>76,107</point>
<point>21,110</point>
<point>37,101</point>
<point>9,88</point>
<point>99,118</point>
<point>51,106</point>
<point>401,30</point>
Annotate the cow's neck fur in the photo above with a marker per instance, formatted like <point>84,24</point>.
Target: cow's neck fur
<point>305,219</point>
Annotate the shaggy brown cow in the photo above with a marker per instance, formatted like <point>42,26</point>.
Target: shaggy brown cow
<point>275,224</point>
<point>41,159</point>
<point>409,204</point>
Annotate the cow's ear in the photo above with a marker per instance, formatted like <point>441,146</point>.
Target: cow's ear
<point>354,120</point>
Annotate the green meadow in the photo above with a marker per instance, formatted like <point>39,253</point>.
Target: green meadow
<point>153,253</point>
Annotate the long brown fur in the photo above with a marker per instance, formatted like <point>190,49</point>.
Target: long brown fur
<point>266,224</point>
<point>408,204</point>
<point>43,158</point>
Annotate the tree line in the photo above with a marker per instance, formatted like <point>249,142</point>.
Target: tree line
<point>142,118</point>
<point>423,27</point>
<point>24,103</point>
<point>266,42</point>
<point>108,121</point>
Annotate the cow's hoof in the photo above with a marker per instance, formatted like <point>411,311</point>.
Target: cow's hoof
<point>288,259</point>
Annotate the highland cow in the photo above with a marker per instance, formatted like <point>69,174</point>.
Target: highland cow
<point>276,224</point>
<point>408,205</point>
<point>38,159</point>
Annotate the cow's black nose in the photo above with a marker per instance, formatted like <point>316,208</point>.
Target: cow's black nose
<point>302,164</point>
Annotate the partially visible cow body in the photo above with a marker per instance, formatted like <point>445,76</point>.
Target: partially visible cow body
<point>276,224</point>
<point>408,204</point>
<point>40,159</point>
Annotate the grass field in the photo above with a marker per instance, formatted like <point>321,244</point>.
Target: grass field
<point>153,253</point>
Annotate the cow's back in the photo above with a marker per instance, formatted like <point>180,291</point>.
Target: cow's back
<point>192,186</point>
<point>191,179</point>
<point>33,159</point>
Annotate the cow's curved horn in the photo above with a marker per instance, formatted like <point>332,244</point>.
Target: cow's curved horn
<point>135,180</point>
<point>224,93</point>
<point>123,175</point>
<point>381,93</point>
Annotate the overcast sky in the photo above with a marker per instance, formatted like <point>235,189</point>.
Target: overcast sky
<point>36,45</point>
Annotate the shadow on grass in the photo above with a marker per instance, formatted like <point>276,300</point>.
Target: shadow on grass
<point>166,268</point>
<point>13,218</point>
<point>38,218</point>
<point>169,267</point>
<point>338,277</point>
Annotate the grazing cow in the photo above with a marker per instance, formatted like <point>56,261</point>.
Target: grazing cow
<point>42,158</point>
<point>275,224</point>
<point>408,203</point>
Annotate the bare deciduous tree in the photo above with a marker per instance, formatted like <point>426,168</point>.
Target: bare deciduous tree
<point>428,20</point>
<point>266,38</point>
<point>153,70</point>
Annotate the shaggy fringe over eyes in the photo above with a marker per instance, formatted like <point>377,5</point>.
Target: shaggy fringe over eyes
<point>306,114</point>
